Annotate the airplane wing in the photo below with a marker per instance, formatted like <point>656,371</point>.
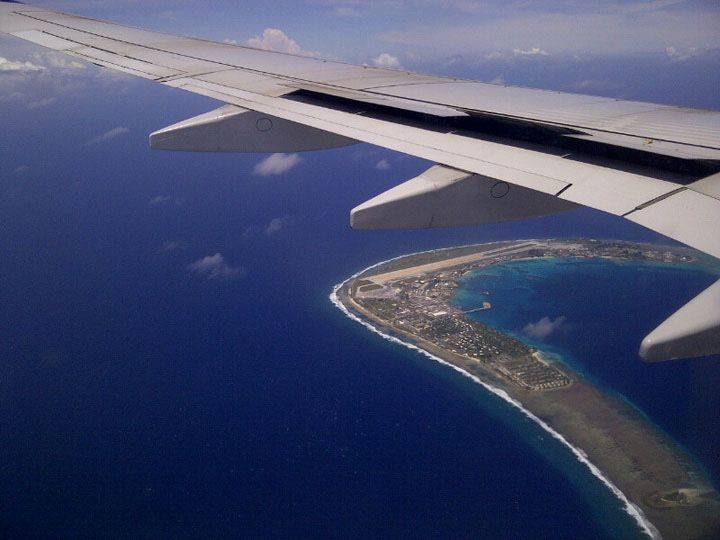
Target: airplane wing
<point>501,152</point>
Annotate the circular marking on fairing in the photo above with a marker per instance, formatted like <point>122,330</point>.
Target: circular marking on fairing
<point>499,190</point>
<point>264,124</point>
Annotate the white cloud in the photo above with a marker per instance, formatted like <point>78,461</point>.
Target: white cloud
<point>276,225</point>
<point>488,8</point>
<point>40,103</point>
<point>37,78</point>
<point>382,165</point>
<point>214,267</point>
<point>273,227</point>
<point>160,200</point>
<point>347,11</point>
<point>276,164</point>
<point>599,28</point>
<point>597,86</point>
<point>493,55</point>
<point>20,67</point>
<point>56,60</point>
<point>680,55</point>
<point>648,5</point>
<point>22,169</point>
<point>274,39</point>
<point>534,51</point>
<point>110,134</point>
<point>170,246</point>
<point>454,60</point>
<point>386,60</point>
<point>544,327</point>
<point>12,97</point>
<point>164,200</point>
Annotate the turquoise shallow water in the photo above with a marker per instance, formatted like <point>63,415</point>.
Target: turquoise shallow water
<point>593,313</point>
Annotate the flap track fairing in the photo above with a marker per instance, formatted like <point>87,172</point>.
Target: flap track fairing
<point>234,129</point>
<point>447,197</point>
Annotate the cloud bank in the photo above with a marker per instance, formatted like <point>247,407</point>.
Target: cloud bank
<point>566,28</point>
<point>18,67</point>
<point>534,51</point>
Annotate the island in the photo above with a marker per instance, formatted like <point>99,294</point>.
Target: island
<point>410,299</point>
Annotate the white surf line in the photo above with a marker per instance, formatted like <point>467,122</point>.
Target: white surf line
<point>634,511</point>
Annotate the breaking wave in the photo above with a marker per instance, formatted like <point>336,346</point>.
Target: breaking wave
<point>636,513</point>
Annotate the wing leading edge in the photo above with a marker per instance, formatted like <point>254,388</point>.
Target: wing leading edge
<point>501,152</point>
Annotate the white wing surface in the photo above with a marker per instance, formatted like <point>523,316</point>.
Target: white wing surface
<point>501,152</point>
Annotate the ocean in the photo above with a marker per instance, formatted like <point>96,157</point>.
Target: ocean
<point>142,399</point>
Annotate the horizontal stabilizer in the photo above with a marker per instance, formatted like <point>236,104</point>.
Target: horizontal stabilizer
<point>447,197</point>
<point>234,129</point>
<point>693,330</point>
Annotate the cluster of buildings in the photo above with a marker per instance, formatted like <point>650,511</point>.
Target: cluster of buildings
<point>420,306</point>
<point>414,296</point>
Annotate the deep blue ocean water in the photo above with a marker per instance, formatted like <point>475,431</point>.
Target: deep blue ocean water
<point>140,400</point>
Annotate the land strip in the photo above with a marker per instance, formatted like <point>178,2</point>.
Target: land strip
<point>411,299</point>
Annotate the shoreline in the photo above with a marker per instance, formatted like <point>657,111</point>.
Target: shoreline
<point>571,427</point>
<point>631,509</point>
